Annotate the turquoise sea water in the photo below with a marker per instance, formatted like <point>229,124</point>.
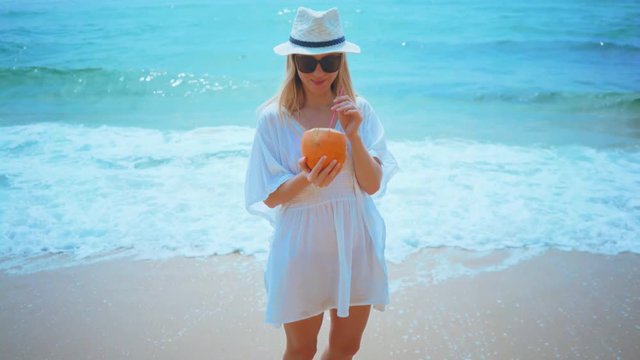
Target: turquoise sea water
<point>125,125</point>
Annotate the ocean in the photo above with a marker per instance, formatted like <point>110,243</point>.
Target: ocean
<point>125,126</point>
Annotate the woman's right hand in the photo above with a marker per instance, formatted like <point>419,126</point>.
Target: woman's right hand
<point>318,176</point>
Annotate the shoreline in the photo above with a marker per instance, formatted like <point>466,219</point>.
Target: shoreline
<point>558,304</point>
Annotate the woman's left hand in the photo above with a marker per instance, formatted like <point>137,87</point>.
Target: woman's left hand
<point>348,114</point>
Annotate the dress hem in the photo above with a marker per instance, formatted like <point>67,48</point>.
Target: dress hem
<point>380,306</point>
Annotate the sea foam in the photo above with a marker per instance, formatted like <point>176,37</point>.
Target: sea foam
<point>80,194</point>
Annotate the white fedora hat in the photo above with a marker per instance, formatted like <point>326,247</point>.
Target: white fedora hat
<point>316,32</point>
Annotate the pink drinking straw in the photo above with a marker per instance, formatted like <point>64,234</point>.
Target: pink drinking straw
<point>332,122</point>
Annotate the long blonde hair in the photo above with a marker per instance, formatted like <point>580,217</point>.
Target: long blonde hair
<point>291,97</point>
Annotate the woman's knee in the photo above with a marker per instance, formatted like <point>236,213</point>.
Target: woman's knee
<point>343,348</point>
<point>301,351</point>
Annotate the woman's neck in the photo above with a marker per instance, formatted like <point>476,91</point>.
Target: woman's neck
<point>318,101</point>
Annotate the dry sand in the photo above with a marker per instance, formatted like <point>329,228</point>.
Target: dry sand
<point>559,305</point>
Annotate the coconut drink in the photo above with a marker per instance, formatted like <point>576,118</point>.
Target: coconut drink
<point>318,142</point>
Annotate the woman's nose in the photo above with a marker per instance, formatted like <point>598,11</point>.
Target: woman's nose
<point>318,69</point>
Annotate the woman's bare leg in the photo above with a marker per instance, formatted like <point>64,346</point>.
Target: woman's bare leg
<point>302,338</point>
<point>346,333</point>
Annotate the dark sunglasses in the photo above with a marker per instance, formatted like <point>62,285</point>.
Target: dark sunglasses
<point>307,64</point>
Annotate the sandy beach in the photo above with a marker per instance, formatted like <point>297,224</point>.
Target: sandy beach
<point>558,305</point>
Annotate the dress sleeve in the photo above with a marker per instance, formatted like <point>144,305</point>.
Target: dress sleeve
<point>265,172</point>
<point>373,138</point>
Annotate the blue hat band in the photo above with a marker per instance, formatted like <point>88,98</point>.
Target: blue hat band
<point>316,44</point>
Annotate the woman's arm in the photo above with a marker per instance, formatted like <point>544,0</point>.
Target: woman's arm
<point>317,176</point>
<point>287,191</point>
<point>367,168</point>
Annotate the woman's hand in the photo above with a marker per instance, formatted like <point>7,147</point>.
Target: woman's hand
<point>318,176</point>
<point>348,114</point>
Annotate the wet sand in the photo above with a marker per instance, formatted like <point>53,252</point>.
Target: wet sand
<point>558,305</point>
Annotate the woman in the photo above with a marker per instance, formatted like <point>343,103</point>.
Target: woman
<point>327,250</point>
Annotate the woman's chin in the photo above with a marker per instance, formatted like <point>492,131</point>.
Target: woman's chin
<point>320,88</point>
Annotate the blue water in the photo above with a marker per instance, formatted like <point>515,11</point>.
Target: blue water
<point>125,126</point>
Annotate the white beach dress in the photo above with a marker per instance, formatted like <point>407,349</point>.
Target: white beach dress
<point>327,247</point>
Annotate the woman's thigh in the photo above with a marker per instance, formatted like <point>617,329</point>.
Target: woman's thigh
<point>347,332</point>
<point>303,332</point>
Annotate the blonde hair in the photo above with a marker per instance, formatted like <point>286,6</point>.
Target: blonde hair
<point>291,97</point>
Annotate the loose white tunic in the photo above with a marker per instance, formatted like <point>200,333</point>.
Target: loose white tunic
<point>327,248</point>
